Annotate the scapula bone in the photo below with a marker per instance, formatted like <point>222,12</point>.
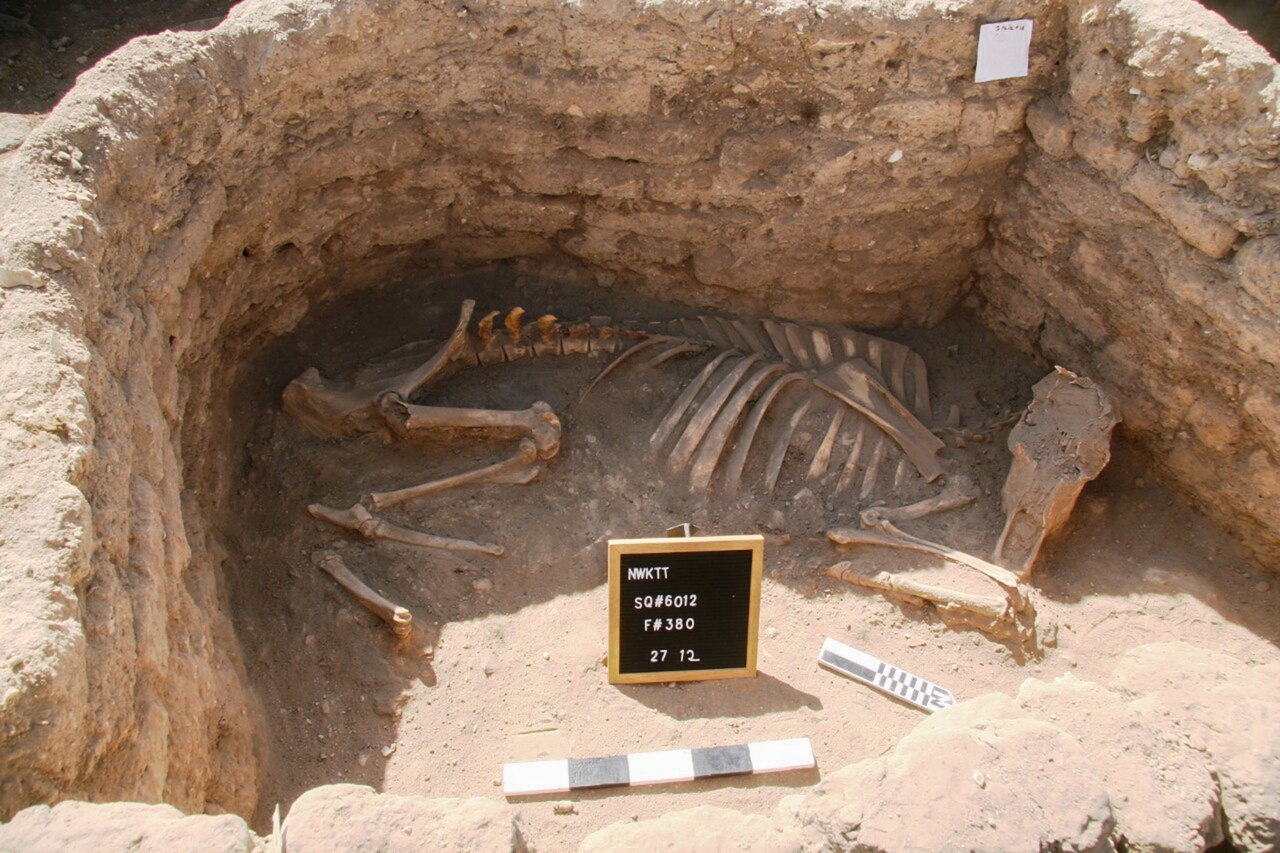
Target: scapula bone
<point>854,383</point>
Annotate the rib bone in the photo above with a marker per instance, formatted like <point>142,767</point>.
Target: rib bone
<point>738,458</point>
<point>358,519</point>
<point>397,618</point>
<point>701,421</point>
<point>853,382</point>
<point>822,459</point>
<point>682,403</point>
<point>1062,441</point>
<point>704,464</point>
<point>521,468</point>
<point>779,453</point>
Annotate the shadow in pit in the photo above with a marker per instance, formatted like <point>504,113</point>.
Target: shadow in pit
<point>728,697</point>
<point>1134,543</point>
<point>327,672</point>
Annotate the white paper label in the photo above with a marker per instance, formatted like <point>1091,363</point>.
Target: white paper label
<point>1004,50</point>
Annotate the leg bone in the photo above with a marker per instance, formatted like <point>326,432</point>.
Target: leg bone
<point>887,535</point>
<point>399,619</point>
<point>521,468</point>
<point>995,616</point>
<point>959,492</point>
<point>538,422</point>
<point>358,519</point>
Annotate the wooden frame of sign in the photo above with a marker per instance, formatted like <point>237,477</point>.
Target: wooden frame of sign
<point>684,609</point>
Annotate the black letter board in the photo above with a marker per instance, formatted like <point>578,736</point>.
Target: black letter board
<point>684,609</point>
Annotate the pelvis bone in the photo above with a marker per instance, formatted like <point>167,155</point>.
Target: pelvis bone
<point>1062,441</point>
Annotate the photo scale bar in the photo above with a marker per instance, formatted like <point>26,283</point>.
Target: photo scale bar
<point>655,768</point>
<point>872,671</point>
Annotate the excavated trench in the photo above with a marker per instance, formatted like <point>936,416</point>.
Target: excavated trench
<point>208,214</point>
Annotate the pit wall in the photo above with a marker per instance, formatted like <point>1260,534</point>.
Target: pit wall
<point>197,193</point>
<point>1141,245</point>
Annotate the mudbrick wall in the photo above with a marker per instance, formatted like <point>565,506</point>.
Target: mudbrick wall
<point>1141,244</point>
<point>197,193</point>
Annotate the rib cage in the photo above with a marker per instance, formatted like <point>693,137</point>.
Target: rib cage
<point>765,390</point>
<point>755,393</point>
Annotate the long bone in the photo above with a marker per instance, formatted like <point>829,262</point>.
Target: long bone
<point>538,422</point>
<point>397,618</point>
<point>1013,617</point>
<point>958,492</point>
<point>993,615</point>
<point>523,467</point>
<point>885,534</point>
<point>359,520</point>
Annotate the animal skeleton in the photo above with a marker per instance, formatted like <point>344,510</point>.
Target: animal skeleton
<point>872,394</point>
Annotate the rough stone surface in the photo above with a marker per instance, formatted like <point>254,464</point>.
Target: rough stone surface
<point>355,817</point>
<point>1145,254</point>
<point>1162,789</point>
<point>1229,710</point>
<point>76,826</point>
<point>701,828</point>
<point>982,775</point>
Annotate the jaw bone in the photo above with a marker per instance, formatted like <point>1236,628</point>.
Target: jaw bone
<point>1009,616</point>
<point>1061,442</point>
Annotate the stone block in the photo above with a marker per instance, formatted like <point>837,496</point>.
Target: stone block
<point>355,817</point>
<point>1050,128</point>
<point>1180,209</point>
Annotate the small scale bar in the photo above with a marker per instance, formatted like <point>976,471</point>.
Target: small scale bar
<point>873,672</point>
<point>655,768</point>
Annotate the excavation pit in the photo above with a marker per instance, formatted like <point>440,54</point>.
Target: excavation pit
<point>208,214</point>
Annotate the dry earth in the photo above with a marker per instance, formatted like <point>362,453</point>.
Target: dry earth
<point>508,665</point>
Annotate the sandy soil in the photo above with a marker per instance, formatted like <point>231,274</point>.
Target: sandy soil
<point>510,664</point>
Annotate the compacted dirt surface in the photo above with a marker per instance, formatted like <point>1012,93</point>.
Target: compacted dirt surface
<point>508,662</point>
<point>45,44</point>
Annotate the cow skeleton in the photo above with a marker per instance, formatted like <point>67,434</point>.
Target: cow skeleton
<point>874,388</point>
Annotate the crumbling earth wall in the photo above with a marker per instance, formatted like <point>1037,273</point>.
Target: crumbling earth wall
<point>1141,245</point>
<point>197,193</point>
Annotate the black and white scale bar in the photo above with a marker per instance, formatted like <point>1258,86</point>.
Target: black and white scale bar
<point>655,768</point>
<point>874,672</point>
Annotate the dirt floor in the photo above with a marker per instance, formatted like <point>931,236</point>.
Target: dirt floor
<point>510,664</point>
